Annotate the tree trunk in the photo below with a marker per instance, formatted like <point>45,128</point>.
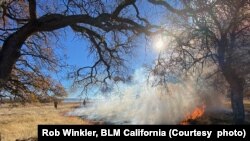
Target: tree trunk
<point>10,51</point>
<point>237,93</point>
<point>8,57</point>
<point>235,81</point>
<point>237,103</point>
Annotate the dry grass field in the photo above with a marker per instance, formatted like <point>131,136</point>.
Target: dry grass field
<point>223,117</point>
<point>18,121</point>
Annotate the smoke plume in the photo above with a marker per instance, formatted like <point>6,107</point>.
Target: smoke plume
<point>141,103</point>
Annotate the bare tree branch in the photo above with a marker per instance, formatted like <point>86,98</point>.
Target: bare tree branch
<point>32,9</point>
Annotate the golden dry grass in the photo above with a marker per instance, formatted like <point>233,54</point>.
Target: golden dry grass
<point>21,121</point>
<point>223,118</point>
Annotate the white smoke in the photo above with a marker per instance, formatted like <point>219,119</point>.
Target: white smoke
<point>140,103</point>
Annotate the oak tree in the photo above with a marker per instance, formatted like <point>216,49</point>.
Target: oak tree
<point>214,34</point>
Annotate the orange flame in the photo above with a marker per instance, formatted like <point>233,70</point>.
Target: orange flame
<point>197,113</point>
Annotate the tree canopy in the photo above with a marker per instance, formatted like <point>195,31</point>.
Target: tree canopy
<point>27,26</point>
<point>200,33</point>
<point>211,37</point>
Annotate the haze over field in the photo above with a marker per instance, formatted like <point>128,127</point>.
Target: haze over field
<point>139,102</point>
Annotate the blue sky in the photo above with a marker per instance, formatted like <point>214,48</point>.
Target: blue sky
<point>76,49</point>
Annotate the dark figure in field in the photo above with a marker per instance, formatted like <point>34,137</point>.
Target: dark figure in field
<point>84,102</point>
<point>55,103</point>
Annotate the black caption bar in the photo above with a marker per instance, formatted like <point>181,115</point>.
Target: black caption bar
<point>170,132</point>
